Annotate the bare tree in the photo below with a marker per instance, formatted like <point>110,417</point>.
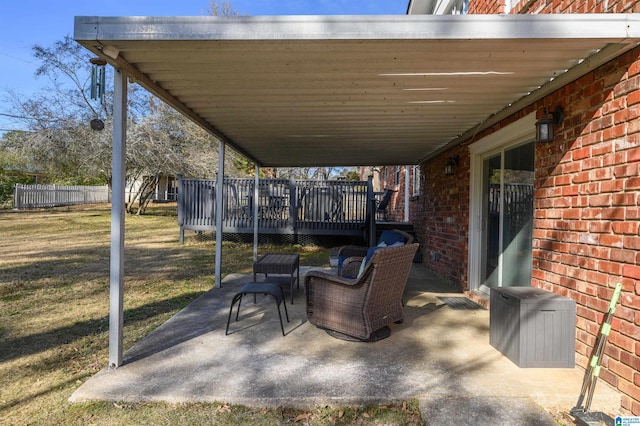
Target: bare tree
<point>60,143</point>
<point>221,9</point>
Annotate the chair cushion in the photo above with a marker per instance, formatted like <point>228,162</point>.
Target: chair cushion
<point>364,261</point>
<point>390,237</point>
<point>373,250</point>
<point>341,260</point>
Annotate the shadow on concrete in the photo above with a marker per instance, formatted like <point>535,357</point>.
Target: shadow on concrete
<point>438,355</point>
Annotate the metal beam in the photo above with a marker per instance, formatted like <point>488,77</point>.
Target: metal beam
<point>116,281</point>
<point>611,26</point>
<point>219,206</point>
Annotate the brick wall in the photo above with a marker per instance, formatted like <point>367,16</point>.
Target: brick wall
<point>587,200</point>
<point>395,209</point>
<point>555,6</point>
<point>587,211</point>
<point>444,225</point>
<point>486,7</point>
<point>586,231</point>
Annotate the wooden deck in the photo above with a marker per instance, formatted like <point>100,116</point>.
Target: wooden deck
<point>334,207</point>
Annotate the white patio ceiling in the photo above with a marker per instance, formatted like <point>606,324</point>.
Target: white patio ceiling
<point>354,90</point>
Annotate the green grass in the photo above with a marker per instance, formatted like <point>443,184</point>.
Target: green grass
<point>54,295</point>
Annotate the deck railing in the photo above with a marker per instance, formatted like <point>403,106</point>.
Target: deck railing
<point>35,196</point>
<point>333,207</point>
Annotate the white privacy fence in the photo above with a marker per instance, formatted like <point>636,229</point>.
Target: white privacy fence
<point>30,196</point>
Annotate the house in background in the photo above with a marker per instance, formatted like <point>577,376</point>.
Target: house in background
<point>165,188</point>
<point>161,188</point>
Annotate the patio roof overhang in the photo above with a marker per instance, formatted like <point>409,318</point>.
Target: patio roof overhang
<point>354,90</point>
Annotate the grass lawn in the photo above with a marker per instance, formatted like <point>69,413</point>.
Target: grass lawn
<point>54,304</point>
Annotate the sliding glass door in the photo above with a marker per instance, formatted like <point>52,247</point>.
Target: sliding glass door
<point>507,217</point>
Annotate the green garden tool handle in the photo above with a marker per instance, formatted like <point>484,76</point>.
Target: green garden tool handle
<point>604,332</point>
<point>593,370</point>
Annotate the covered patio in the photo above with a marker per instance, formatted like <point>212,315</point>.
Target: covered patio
<point>341,91</point>
<point>338,90</point>
<point>438,355</point>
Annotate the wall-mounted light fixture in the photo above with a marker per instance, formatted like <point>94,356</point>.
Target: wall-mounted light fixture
<point>451,165</point>
<point>545,127</point>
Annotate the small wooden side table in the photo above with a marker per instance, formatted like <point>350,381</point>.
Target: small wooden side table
<point>279,264</point>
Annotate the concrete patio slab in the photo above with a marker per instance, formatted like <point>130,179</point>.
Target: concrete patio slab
<point>438,355</point>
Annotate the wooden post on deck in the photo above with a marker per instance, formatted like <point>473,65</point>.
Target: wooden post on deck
<point>293,206</point>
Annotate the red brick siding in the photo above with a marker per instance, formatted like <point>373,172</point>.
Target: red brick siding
<point>587,199</point>
<point>555,6</point>
<point>586,229</point>
<point>587,206</point>
<point>444,224</point>
<point>395,209</point>
<point>586,218</point>
<point>486,7</point>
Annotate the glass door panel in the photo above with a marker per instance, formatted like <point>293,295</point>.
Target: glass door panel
<point>518,179</point>
<point>507,217</point>
<point>491,221</point>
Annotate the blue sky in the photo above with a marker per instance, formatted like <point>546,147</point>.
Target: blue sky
<point>24,23</point>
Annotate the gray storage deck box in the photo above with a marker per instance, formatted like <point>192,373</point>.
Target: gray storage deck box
<point>533,327</point>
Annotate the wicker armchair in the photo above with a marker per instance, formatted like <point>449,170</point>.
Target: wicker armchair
<point>354,255</point>
<point>362,308</point>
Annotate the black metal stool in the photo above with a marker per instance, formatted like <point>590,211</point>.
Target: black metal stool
<point>256,288</point>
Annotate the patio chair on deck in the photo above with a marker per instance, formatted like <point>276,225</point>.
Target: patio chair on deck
<point>361,309</point>
<point>381,209</point>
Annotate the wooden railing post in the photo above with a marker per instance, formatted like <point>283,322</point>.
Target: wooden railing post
<point>293,204</point>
